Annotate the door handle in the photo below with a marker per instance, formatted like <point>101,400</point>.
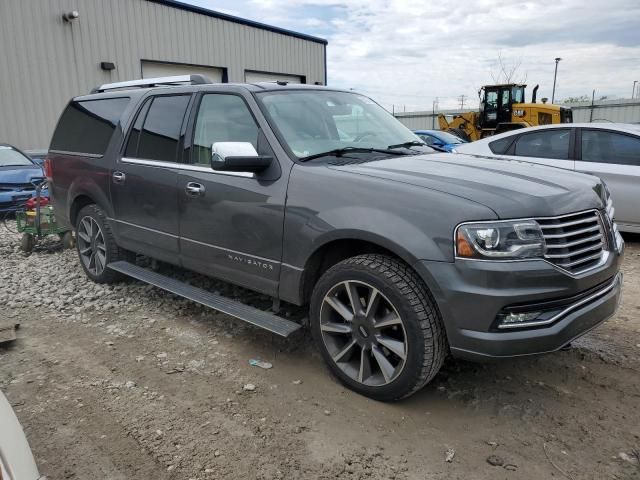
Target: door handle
<point>118,177</point>
<point>194,189</point>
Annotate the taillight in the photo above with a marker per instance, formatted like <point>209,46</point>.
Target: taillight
<point>47,168</point>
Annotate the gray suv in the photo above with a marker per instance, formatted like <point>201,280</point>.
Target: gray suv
<point>319,197</point>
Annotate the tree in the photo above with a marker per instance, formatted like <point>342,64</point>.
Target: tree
<point>508,71</point>
<point>580,99</point>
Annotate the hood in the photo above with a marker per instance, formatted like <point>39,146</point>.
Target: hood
<point>512,189</point>
<point>21,174</point>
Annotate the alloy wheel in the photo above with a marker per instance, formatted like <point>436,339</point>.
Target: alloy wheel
<point>91,245</point>
<point>363,333</point>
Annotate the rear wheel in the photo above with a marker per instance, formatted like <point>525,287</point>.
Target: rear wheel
<point>27,242</point>
<point>377,327</point>
<point>67,240</point>
<point>96,245</point>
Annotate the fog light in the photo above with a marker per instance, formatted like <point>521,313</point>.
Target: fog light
<point>515,318</point>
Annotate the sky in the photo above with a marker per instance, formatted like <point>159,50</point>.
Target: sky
<point>407,54</point>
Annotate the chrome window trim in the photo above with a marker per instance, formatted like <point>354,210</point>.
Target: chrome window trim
<point>600,293</point>
<point>183,166</point>
<point>77,154</point>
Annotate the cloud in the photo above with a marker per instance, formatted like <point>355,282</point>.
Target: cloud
<point>408,52</point>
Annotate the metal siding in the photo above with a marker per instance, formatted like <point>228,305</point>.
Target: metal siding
<point>53,61</point>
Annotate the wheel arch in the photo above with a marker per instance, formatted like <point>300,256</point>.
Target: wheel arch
<point>83,193</point>
<point>334,249</point>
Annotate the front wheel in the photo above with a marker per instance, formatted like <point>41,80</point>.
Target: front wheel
<point>377,327</point>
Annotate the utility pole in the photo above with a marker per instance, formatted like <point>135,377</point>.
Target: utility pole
<point>633,92</point>
<point>553,94</point>
<point>461,98</point>
<point>433,117</point>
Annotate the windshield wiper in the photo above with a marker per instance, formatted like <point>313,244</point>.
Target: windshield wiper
<point>415,143</point>
<point>412,143</point>
<point>338,152</point>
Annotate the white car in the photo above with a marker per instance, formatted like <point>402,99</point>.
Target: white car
<point>16,459</point>
<point>608,150</point>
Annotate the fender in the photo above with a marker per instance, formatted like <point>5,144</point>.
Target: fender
<point>87,186</point>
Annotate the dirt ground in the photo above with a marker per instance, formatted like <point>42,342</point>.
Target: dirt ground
<point>127,382</point>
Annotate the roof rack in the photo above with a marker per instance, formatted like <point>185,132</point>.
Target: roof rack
<point>155,82</point>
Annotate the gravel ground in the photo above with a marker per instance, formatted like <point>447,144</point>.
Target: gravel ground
<point>128,382</point>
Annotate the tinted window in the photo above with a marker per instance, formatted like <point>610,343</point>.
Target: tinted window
<point>87,126</point>
<point>500,146</point>
<point>161,131</point>
<point>544,144</point>
<point>428,139</point>
<point>134,136</point>
<point>222,118</point>
<point>610,147</point>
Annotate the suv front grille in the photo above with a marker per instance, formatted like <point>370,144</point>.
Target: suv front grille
<point>575,242</point>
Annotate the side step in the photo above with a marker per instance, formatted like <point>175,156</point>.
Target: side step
<point>259,318</point>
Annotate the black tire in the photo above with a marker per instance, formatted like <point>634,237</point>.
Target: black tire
<point>27,243</point>
<point>67,240</point>
<point>460,133</point>
<point>112,252</point>
<point>425,338</point>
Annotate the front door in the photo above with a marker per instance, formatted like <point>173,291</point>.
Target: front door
<point>614,157</point>
<point>144,190</point>
<point>231,222</point>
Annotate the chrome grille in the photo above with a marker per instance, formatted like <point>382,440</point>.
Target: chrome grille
<point>575,242</point>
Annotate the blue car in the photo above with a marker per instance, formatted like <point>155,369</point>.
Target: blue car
<point>19,176</point>
<point>439,139</point>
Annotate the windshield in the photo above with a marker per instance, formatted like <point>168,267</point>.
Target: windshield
<point>12,158</point>
<point>317,121</point>
<point>448,138</point>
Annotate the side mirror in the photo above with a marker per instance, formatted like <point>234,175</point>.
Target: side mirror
<point>237,157</point>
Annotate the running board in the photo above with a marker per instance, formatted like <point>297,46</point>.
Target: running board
<point>251,315</point>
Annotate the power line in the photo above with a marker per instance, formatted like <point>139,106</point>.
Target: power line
<point>461,98</point>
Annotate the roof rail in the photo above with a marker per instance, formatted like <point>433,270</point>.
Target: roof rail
<point>155,82</point>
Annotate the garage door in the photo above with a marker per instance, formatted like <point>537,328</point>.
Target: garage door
<point>255,77</point>
<point>160,69</point>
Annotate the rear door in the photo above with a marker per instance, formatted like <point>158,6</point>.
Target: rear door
<point>614,157</point>
<point>231,229</point>
<point>553,147</point>
<point>144,189</point>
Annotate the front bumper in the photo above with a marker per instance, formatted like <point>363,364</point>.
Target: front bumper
<point>471,294</point>
<point>13,201</point>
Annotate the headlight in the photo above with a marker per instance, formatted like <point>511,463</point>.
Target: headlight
<point>500,240</point>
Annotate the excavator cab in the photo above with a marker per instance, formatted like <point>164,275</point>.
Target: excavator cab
<point>496,105</point>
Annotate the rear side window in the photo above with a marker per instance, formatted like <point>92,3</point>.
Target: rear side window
<point>610,147</point>
<point>500,146</point>
<point>544,144</point>
<point>160,134</point>
<point>86,127</point>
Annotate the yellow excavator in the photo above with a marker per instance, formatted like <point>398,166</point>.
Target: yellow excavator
<point>503,108</point>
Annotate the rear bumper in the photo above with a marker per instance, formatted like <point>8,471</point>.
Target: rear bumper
<point>472,294</point>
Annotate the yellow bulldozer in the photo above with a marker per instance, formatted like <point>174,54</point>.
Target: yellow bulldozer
<point>503,108</point>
